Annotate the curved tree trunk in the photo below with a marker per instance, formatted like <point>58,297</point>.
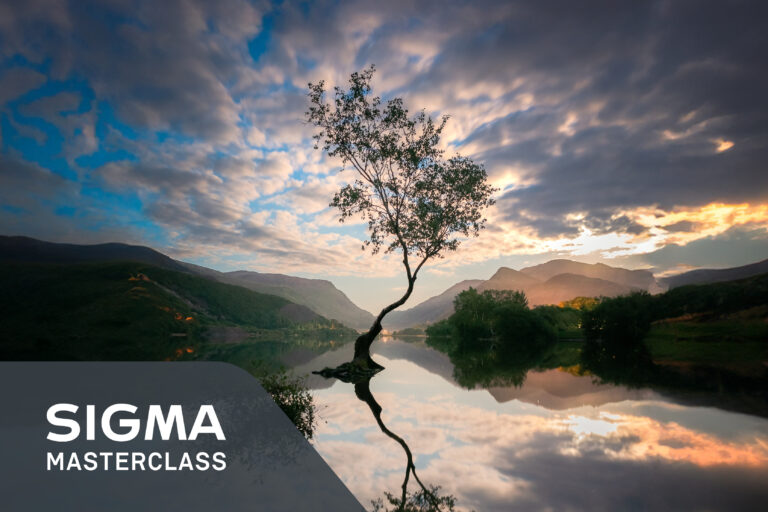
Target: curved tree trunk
<point>364,341</point>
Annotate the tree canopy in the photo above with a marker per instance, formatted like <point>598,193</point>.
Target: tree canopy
<point>414,200</point>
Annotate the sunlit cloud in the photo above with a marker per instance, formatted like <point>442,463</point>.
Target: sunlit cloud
<point>723,145</point>
<point>659,228</point>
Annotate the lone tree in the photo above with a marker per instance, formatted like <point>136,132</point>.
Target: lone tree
<point>415,201</point>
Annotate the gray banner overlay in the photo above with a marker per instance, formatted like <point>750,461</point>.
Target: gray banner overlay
<point>269,465</point>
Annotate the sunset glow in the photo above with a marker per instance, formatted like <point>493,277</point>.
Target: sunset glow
<point>200,148</point>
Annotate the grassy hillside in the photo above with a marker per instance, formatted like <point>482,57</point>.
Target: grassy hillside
<point>124,311</point>
<point>319,295</point>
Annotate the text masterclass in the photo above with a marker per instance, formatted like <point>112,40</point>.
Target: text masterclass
<point>63,416</point>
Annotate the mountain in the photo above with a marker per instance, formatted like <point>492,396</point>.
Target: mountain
<point>431,310</point>
<point>21,249</point>
<point>319,295</point>
<point>641,279</point>
<point>564,287</point>
<point>559,390</point>
<point>125,311</point>
<point>508,279</point>
<point>550,283</point>
<point>704,276</point>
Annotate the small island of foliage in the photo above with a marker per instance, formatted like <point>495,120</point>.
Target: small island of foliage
<point>494,337</point>
<point>702,338</point>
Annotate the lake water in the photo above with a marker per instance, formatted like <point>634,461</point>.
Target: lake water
<point>558,442</point>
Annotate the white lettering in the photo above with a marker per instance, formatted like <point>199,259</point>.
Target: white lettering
<point>206,411</point>
<point>165,423</point>
<point>133,425</point>
<point>57,460</point>
<point>53,419</point>
<point>219,461</point>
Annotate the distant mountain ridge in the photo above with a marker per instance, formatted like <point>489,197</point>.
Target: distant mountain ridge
<point>708,275</point>
<point>640,279</point>
<point>321,296</point>
<point>549,283</point>
<point>563,287</point>
<point>508,279</point>
<point>22,249</point>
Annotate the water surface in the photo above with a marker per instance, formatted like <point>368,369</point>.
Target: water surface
<point>560,441</point>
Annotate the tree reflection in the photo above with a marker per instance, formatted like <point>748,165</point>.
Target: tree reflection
<point>493,367</point>
<point>627,362</point>
<point>427,498</point>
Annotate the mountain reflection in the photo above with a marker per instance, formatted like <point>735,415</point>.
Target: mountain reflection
<point>560,441</point>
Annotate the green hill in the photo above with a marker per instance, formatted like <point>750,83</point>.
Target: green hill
<point>22,249</point>
<point>125,311</point>
<point>319,295</point>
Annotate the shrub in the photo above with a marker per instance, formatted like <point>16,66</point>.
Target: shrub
<point>620,320</point>
<point>521,331</point>
<point>476,315</point>
<point>443,328</point>
<point>293,398</point>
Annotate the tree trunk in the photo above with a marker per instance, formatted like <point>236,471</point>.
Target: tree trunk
<point>364,341</point>
<point>363,346</point>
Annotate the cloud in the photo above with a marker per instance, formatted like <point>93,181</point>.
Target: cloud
<point>16,81</point>
<point>25,185</point>
<point>163,66</point>
<point>714,251</point>
<point>591,119</point>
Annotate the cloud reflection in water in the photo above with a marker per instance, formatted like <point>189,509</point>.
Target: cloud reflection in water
<point>631,453</point>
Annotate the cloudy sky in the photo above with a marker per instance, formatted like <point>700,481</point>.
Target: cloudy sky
<point>634,133</point>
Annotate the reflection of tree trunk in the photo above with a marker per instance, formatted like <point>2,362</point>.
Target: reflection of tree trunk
<point>363,392</point>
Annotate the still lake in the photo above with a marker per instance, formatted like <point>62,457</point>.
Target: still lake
<point>558,442</point>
